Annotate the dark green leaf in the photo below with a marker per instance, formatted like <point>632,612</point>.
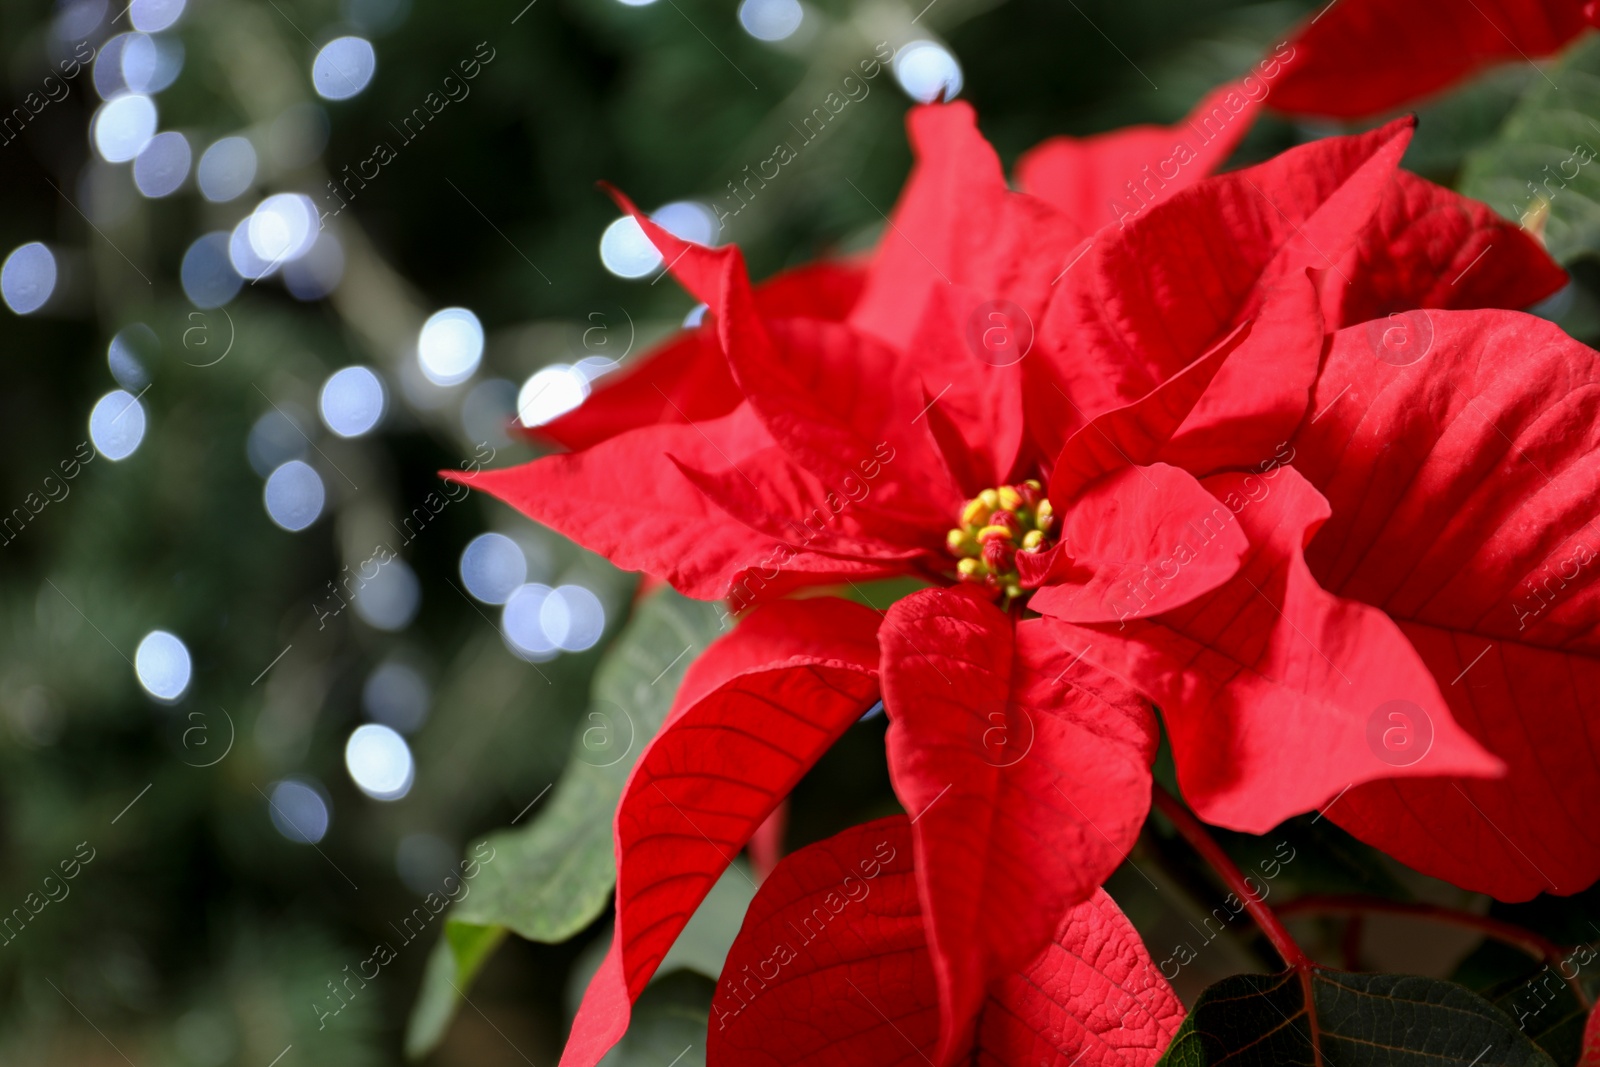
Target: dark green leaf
<point>453,964</point>
<point>668,1028</point>
<point>1362,1020</point>
<point>553,877</point>
<point>1537,155</point>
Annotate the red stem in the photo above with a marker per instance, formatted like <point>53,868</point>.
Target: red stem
<point>1228,871</point>
<point>1515,936</point>
<point>1293,955</point>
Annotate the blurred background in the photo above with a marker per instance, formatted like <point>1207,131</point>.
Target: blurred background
<point>266,681</point>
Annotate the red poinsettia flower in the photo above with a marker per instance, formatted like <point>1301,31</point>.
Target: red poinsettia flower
<point>1133,411</point>
<point>1365,57</point>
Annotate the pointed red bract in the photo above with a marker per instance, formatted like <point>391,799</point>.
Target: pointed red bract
<point>753,714</point>
<point>1363,57</point>
<point>1112,177</point>
<point>1269,685</point>
<point>1136,433</point>
<point>831,967</point>
<point>1260,394</point>
<point>957,223</point>
<point>687,379</point>
<point>970,403</point>
<point>1428,247</point>
<point>1460,452</point>
<point>627,499</point>
<point>1136,310</point>
<point>1126,529</point>
<point>1027,775</point>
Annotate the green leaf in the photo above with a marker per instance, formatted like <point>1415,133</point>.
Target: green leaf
<point>704,943</point>
<point>668,1027</point>
<point>552,877</point>
<point>1545,130</point>
<point>1362,1020</point>
<point>453,964</point>
<point>1530,992</point>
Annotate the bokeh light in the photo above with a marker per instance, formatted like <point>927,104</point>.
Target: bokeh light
<point>389,599</point>
<point>108,76</point>
<point>227,169</point>
<point>123,126</point>
<point>242,253</point>
<point>688,220</point>
<point>351,401</point>
<point>520,626</point>
<point>80,18</point>
<point>450,346</point>
<point>572,618</point>
<point>150,64</point>
<point>283,227</point>
<point>162,665</point>
<point>152,16</point>
<point>343,68</point>
<point>127,353</point>
<point>927,72</point>
<point>116,424</point>
<point>493,567</point>
<point>208,277</point>
<point>299,810</point>
<point>159,170</point>
<point>28,277</point>
<point>770,20</point>
<point>294,495</point>
<point>625,251</point>
<point>379,762</point>
<point>551,392</point>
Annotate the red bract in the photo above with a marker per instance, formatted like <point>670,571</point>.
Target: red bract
<point>831,967</point>
<point>1363,57</point>
<point>687,378</point>
<point>754,712</point>
<point>1137,433</point>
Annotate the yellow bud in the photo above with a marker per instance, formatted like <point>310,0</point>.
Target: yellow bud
<point>1009,497</point>
<point>1043,514</point>
<point>1013,590</point>
<point>1033,483</point>
<point>970,568</point>
<point>961,543</point>
<point>991,532</point>
<point>1032,540</point>
<point>975,511</point>
<point>990,498</point>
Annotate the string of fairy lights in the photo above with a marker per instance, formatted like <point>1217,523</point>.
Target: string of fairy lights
<point>283,240</point>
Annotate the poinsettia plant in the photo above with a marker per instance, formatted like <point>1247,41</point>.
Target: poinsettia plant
<point>1266,495</point>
